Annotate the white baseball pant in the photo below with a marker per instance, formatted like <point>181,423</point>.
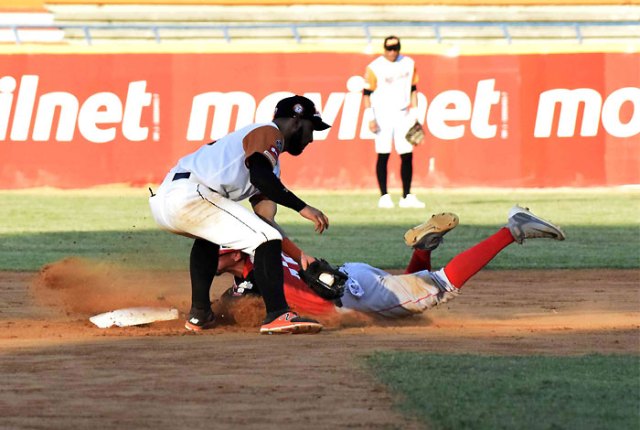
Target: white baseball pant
<point>191,209</point>
<point>394,126</point>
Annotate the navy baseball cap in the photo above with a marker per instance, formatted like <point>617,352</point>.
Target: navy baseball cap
<point>299,106</point>
<point>392,43</point>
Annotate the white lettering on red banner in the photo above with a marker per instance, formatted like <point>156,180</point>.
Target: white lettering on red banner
<point>446,107</point>
<point>97,118</point>
<point>594,110</point>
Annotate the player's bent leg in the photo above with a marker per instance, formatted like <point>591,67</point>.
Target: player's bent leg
<point>203,262</point>
<point>428,235</point>
<point>268,273</point>
<point>210,216</point>
<point>214,220</point>
<point>525,225</point>
<point>169,195</point>
<point>232,225</point>
<point>267,269</point>
<point>420,260</point>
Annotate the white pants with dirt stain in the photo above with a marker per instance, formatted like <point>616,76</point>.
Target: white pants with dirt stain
<point>191,209</point>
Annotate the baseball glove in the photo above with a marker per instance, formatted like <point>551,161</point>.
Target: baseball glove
<point>326,280</point>
<point>415,135</point>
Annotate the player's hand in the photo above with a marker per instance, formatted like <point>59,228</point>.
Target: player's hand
<point>305,260</point>
<point>373,126</point>
<point>316,216</point>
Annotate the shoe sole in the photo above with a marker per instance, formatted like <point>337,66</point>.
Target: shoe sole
<point>299,328</point>
<point>550,229</point>
<point>197,328</point>
<point>440,224</point>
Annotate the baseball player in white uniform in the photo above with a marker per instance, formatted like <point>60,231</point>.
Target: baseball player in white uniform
<point>390,101</point>
<point>199,198</point>
<point>374,291</point>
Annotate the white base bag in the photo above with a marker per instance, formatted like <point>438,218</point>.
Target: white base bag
<point>133,316</point>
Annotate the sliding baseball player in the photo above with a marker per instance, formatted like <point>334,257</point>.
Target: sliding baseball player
<point>374,291</point>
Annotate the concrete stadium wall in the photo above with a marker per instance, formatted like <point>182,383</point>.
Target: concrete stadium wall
<point>530,120</point>
<point>40,4</point>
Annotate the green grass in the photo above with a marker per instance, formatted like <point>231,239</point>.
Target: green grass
<point>485,392</point>
<point>114,223</point>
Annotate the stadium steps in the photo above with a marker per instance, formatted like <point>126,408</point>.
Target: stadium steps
<point>330,13</point>
<point>46,32</point>
<point>328,23</point>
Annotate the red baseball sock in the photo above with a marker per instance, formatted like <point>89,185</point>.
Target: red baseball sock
<point>420,260</point>
<point>466,264</point>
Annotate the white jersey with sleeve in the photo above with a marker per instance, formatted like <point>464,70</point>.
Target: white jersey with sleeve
<point>391,83</point>
<point>221,165</point>
<point>372,290</point>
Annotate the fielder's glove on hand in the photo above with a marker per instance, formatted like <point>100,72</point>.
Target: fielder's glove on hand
<point>415,135</point>
<point>326,280</point>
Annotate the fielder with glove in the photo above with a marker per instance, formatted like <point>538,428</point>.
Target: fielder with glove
<point>390,98</point>
<point>364,288</point>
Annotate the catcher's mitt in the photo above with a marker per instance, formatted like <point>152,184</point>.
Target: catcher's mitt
<point>327,281</point>
<point>415,135</point>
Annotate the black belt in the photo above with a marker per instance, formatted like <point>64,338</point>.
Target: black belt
<point>183,175</point>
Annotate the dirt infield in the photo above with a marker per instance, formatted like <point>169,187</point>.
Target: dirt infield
<point>60,371</point>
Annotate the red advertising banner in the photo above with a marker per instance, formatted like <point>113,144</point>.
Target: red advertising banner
<point>498,120</point>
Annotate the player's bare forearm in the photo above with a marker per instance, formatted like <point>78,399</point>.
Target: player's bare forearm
<point>305,260</point>
<point>266,209</point>
<point>366,99</point>
<point>319,219</point>
<point>373,124</point>
<point>414,99</point>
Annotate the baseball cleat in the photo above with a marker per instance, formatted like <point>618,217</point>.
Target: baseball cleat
<point>411,201</point>
<point>200,319</point>
<point>290,323</point>
<point>385,202</point>
<point>525,225</point>
<point>428,235</point>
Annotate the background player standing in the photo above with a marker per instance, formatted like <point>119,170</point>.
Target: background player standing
<point>199,199</point>
<point>390,98</point>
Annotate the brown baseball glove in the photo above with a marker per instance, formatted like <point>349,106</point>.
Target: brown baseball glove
<point>415,135</point>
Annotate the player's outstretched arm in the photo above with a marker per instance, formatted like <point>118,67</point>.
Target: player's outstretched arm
<point>305,260</point>
<point>316,216</point>
<point>266,209</point>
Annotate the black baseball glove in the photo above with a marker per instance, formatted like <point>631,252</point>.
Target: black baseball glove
<point>326,280</point>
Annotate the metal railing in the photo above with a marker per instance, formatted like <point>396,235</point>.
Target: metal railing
<point>295,28</point>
